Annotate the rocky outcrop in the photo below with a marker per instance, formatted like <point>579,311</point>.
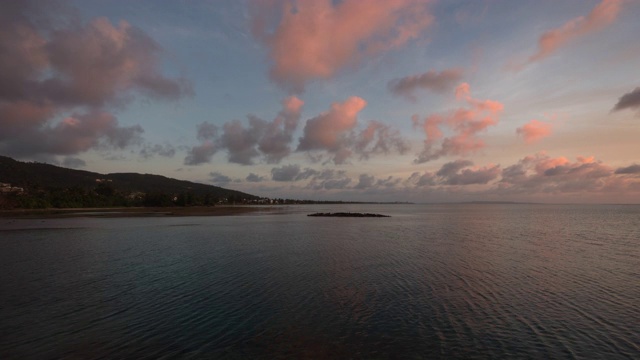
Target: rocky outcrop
<point>348,214</point>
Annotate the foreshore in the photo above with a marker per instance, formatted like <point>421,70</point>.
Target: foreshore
<point>138,211</point>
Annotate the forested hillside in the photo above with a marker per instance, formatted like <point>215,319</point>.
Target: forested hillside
<point>39,185</point>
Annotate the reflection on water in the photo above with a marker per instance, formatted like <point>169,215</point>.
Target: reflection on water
<point>499,281</point>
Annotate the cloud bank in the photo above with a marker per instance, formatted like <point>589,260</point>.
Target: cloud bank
<point>542,174</point>
<point>539,175</point>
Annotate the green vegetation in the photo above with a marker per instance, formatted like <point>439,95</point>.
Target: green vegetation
<point>32,185</point>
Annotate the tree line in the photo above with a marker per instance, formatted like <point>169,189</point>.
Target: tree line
<point>105,195</point>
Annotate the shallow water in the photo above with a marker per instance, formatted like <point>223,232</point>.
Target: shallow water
<point>436,281</point>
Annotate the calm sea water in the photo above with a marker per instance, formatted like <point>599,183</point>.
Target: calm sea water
<point>432,281</point>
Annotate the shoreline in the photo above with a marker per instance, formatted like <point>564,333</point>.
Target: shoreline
<point>122,212</point>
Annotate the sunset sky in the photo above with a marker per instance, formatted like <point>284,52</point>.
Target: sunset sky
<point>389,100</point>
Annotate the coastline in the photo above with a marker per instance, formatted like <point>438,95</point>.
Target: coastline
<point>121,212</point>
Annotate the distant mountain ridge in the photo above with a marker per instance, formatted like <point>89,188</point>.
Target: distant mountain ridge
<point>35,177</point>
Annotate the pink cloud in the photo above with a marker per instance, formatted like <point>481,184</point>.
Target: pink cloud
<point>316,39</point>
<point>430,126</point>
<point>465,123</point>
<point>334,132</point>
<point>535,176</point>
<point>327,130</point>
<point>337,133</point>
<point>462,91</point>
<point>76,71</point>
<point>542,162</point>
<point>534,130</point>
<point>602,15</point>
<point>586,159</point>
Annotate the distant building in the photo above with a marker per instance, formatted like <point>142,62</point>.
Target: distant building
<point>6,188</point>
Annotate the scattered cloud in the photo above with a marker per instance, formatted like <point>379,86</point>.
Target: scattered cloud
<point>255,178</point>
<point>285,173</point>
<point>291,173</point>
<point>331,184</point>
<point>365,181</point>
<point>534,130</point>
<point>74,134</point>
<point>325,131</point>
<point>630,100</point>
<point>240,142</point>
<point>309,40</point>
<point>632,169</point>
<point>326,179</point>
<point>601,16</point>
<point>466,176</point>
<point>164,150</point>
<point>439,82</point>
<point>207,133</point>
<point>334,131</point>
<point>465,123</point>
<point>452,168</point>
<point>537,176</point>
<point>217,178</point>
<point>369,182</point>
<point>378,138</point>
<point>456,173</point>
<point>270,140</point>
<point>420,180</point>
<point>329,179</point>
<point>534,176</point>
<point>201,154</point>
<point>279,133</point>
<point>64,75</point>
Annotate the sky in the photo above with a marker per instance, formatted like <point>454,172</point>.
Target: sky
<point>353,100</point>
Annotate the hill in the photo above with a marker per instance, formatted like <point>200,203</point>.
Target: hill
<point>37,185</point>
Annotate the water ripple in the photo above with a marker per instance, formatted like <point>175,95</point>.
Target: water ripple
<point>446,281</point>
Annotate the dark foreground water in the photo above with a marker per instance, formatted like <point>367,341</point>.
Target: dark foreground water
<point>445,281</point>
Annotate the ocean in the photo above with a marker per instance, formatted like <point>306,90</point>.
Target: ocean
<point>431,281</point>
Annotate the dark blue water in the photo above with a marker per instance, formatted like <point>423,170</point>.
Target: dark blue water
<point>437,281</point>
